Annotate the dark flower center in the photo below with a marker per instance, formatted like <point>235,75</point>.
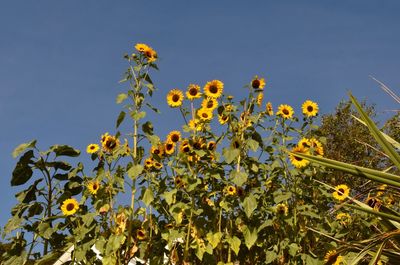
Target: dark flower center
<point>169,146</point>
<point>341,191</point>
<point>111,143</point>
<point>298,158</point>
<point>92,147</point>
<point>70,206</point>
<point>285,111</point>
<point>236,144</point>
<point>95,187</point>
<point>213,89</point>
<point>193,91</point>
<point>310,108</point>
<point>204,115</point>
<point>210,104</point>
<point>255,83</point>
<point>175,138</point>
<point>186,149</point>
<point>175,98</point>
<point>211,146</point>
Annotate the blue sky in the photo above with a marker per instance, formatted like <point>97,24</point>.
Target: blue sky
<point>60,61</point>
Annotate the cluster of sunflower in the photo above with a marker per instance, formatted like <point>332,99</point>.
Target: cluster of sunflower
<point>146,51</point>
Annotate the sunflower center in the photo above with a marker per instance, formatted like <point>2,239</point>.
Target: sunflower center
<point>298,158</point>
<point>92,147</point>
<point>213,89</point>
<point>310,108</point>
<point>285,111</point>
<point>193,91</point>
<point>111,144</point>
<point>70,206</point>
<point>236,144</point>
<point>204,115</point>
<point>156,152</point>
<point>210,104</point>
<point>169,146</point>
<point>211,146</point>
<point>175,98</point>
<point>186,149</point>
<point>95,187</point>
<point>175,138</point>
<point>255,83</point>
<point>341,191</point>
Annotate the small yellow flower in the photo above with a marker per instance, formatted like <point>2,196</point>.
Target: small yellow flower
<point>298,161</point>
<point>282,209</point>
<point>157,150</point>
<point>92,148</point>
<point>93,186</point>
<point>222,119</point>
<point>317,146</point>
<point>310,108</point>
<point>258,83</point>
<point>214,88</point>
<point>175,98</point>
<point>174,136</point>
<point>285,111</point>
<point>141,47</point>
<point>230,190</point>
<point>196,125</point>
<point>157,165</point>
<point>151,55</point>
<point>330,256</point>
<point>204,114</point>
<point>381,190</point>
<point>305,143</point>
<point>211,146</point>
<point>110,143</point>
<point>141,234</point>
<point>169,148</point>
<point>179,183</point>
<point>185,147</point>
<point>269,109</point>
<point>341,192</point>
<point>193,92</point>
<point>259,100</point>
<point>209,104</point>
<point>69,206</point>
<point>148,163</point>
<point>343,218</point>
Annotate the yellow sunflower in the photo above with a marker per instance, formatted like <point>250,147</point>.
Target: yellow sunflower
<point>141,47</point>
<point>209,104</point>
<point>193,92</point>
<point>174,136</point>
<point>298,161</point>
<point>318,149</point>
<point>179,183</point>
<point>269,109</point>
<point>211,145</point>
<point>175,98</point>
<point>214,88</point>
<point>185,147</point>
<point>282,209</point>
<point>204,114</point>
<point>223,119</point>
<point>258,83</point>
<point>69,206</point>
<point>304,142</point>
<point>110,143</point>
<point>341,192</point>
<point>259,100</point>
<point>157,150</point>
<point>141,234</point>
<point>196,125</point>
<point>285,111</point>
<point>93,186</point>
<point>330,257</point>
<point>157,165</point>
<point>343,218</point>
<point>148,163</point>
<point>151,55</point>
<point>236,143</point>
<point>169,148</point>
<point>104,137</point>
<point>230,190</point>
<point>92,148</point>
<point>310,108</point>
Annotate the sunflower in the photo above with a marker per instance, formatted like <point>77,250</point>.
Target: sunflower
<point>92,148</point>
<point>174,136</point>
<point>151,55</point>
<point>141,47</point>
<point>214,88</point>
<point>110,143</point>
<point>204,114</point>
<point>198,143</point>
<point>169,147</point>
<point>223,119</point>
<point>185,147</point>
<point>193,158</point>
<point>381,190</point>
<point>298,161</point>
<point>341,192</point>
<point>230,190</point>
<point>285,111</point>
<point>282,209</point>
<point>157,165</point>
<point>338,261</point>
<point>93,186</point>
<point>211,145</point>
<point>69,206</point>
<point>175,98</point>
<point>259,100</point>
<point>269,109</point>
<point>373,202</point>
<point>196,125</point>
<point>209,103</point>
<point>310,108</point>
<point>258,83</point>
<point>149,162</point>
<point>104,137</point>
<point>318,149</point>
<point>304,142</point>
<point>193,92</point>
<point>157,150</point>
<point>179,183</point>
<point>343,218</point>
<point>235,143</point>
<point>330,257</point>
<point>141,234</point>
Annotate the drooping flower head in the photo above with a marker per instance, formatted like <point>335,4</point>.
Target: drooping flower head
<point>310,108</point>
<point>193,92</point>
<point>69,207</point>
<point>93,186</point>
<point>149,53</point>
<point>149,162</point>
<point>259,100</point>
<point>110,143</point>
<point>257,83</point>
<point>175,98</point>
<point>298,161</point>
<point>269,109</point>
<point>92,148</point>
<point>214,88</point>
<point>196,125</point>
<point>285,111</point>
<point>341,192</point>
<point>141,234</point>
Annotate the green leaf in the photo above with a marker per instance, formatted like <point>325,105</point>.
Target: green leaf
<point>120,118</point>
<point>45,230</point>
<point>65,150</point>
<point>234,243</point>
<point>230,154</point>
<point>239,178</point>
<point>378,254</point>
<point>147,128</point>
<point>138,115</point>
<point>270,256</point>
<point>135,171</point>
<point>22,147</point>
<point>148,196</point>
<point>22,171</point>
<point>121,97</point>
<point>282,197</point>
<point>252,144</point>
<point>293,248</point>
<point>214,238</point>
<point>153,108</point>
<point>169,196</point>
<point>29,194</point>
<point>386,146</point>
<point>249,205</point>
<point>250,236</point>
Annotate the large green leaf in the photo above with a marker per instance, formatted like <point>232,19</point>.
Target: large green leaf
<point>22,171</point>
<point>22,147</point>
<point>65,150</point>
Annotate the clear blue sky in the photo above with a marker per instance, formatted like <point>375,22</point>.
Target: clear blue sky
<point>60,61</point>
